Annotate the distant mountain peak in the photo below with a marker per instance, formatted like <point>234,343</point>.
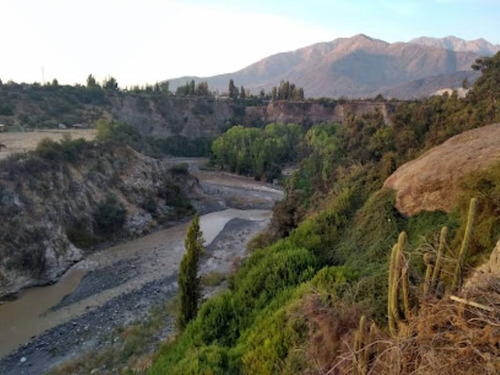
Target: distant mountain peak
<point>453,43</point>
<point>361,66</point>
<point>361,36</point>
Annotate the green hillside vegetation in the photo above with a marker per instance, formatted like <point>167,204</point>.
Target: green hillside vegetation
<point>296,302</point>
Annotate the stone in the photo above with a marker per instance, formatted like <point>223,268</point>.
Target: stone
<point>432,181</point>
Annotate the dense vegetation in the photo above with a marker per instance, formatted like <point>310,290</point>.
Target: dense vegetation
<point>119,132</point>
<point>258,152</point>
<point>296,302</point>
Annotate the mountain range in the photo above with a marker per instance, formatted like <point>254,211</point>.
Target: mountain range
<point>361,66</point>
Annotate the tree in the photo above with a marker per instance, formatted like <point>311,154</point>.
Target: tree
<point>202,89</point>
<point>110,84</point>
<point>233,90</point>
<point>189,282</point>
<point>274,93</point>
<point>164,86</point>
<point>91,82</point>
<point>242,93</point>
<point>192,87</point>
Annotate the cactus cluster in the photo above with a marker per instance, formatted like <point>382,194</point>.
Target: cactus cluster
<point>398,306</point>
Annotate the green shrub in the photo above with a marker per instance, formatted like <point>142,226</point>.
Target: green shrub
<point>64,150</point>
<point>182,168</point>
<point>109,216</point>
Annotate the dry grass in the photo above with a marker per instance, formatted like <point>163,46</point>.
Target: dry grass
<point>17,142</point>
<point>446,337</point>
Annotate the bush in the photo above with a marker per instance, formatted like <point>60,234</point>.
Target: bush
<point>109,216</point>
<point>6,110</point>
<point>64,150</point>
<point>182,168</point>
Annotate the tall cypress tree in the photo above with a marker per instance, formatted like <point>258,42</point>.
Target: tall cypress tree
<point>189,282</point>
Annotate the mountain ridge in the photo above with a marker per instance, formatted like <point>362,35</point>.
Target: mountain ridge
<point>359,66</point>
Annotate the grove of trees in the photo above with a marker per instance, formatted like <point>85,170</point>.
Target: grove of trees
<point>258,152</point>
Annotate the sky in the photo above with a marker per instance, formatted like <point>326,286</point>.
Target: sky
<point>145,41</point>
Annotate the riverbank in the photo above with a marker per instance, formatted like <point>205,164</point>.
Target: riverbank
<point>118,286</point>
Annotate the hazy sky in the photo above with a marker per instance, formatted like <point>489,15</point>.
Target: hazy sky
<point>145,41</point>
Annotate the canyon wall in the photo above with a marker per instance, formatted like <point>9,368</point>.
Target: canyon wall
<point>53,211</point>
<point>162,115</point>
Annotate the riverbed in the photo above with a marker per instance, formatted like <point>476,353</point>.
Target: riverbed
<point>117,286</point>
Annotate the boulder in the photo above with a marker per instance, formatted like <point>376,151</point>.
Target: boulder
<point>432,182</point>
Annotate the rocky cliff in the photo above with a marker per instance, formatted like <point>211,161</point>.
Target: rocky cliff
<point>53,211</point>
<point>152,113</point>
<point>161,115</point>
<point>309,113</point>
<point>432,182</point>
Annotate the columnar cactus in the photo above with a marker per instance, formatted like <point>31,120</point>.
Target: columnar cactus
<point>439,258</point>
<point>428,272</point>
<point>464,249</point>
<point>398,275</point>
<point>360,364</point>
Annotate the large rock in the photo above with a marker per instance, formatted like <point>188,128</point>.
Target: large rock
<point>432,182</point>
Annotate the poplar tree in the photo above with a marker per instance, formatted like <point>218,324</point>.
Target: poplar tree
<point>233,90</point>
<point>189,282</point>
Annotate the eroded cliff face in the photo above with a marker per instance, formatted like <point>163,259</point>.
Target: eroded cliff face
<point>161,115</point>
<point>165,116</point>
<point>49,209</point>
<point>208,117</point>
<point>310,113</point>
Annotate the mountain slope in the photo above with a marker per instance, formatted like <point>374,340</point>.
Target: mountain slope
<point>354,67</point>
<point>452,43</point>
<point>429,85</point>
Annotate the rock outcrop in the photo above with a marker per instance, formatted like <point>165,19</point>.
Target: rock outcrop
<point>310,113</point>
<point>160,115</point>
<point>432,182</point>
<point>50,209</point>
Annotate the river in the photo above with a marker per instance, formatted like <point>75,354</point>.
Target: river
<point>117,283</point>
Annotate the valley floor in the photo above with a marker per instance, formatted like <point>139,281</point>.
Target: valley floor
<point>116,287</point>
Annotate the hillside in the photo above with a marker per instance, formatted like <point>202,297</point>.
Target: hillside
<point>424,87</point>
<point>67,197</point>
<point>355,67</point>
<point>343,283</point>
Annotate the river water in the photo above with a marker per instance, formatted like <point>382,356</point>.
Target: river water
<point>153,256</point>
